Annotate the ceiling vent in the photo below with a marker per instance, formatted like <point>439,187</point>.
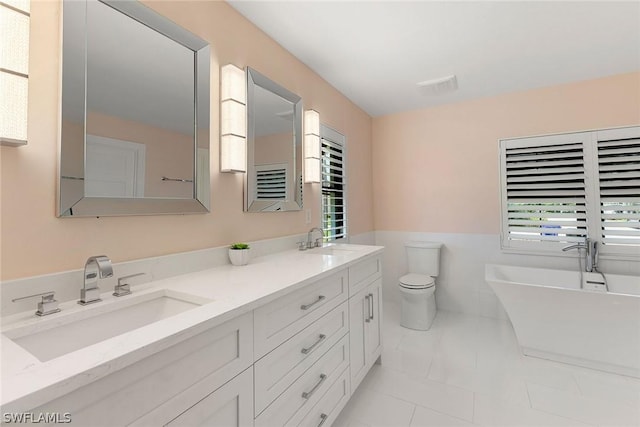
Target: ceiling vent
<point>438,86</point>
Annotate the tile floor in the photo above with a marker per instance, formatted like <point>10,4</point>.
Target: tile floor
<point>468,370</point>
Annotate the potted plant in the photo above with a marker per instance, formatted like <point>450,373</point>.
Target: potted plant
<point>239,253</point>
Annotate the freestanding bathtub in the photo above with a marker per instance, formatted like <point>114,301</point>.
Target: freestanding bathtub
<point>555,319</point>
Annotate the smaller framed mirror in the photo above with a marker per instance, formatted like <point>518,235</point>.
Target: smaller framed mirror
<point>273,181</point>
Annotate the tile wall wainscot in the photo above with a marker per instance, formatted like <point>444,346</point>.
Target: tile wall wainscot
<point>461,287</point>
<point>67,284</point>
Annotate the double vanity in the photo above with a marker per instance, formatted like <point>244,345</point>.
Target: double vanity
<point>284,340</point>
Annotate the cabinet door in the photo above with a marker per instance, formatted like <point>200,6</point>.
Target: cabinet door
<point>230,405</point>
<point>358,313</point>
<point>373,330</point>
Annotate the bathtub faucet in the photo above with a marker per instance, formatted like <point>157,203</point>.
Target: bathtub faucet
<point>591,253</point>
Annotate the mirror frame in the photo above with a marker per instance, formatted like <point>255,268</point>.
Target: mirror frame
<point>71,188</point>
<point>254,78</point>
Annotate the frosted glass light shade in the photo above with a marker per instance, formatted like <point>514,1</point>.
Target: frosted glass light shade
<point>233,84</point>
<point>311,122</point>
<point>311,147</point>
<point>14,33</point>
<point>233,118</point>
<point>13,109</point>
<point>311,170</point>
<point>14,79</point>
<point>233,153</point>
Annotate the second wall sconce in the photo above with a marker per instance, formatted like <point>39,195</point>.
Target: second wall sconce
<point>311,146</point>
<point>233,119</point>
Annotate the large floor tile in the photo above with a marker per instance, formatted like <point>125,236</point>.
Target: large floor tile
<point>408,362</point>
<point>443,398</point>
<point>489,411</point>
<point>470,369</point>
<point>602,385</point>
<point>545,372</point>
<point>424,417</point>
<point>585,409</point>
<point>371,408</point>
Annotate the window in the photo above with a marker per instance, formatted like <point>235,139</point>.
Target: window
<point>560,189</point>
<point>334,214</point>
<point>14,71</point>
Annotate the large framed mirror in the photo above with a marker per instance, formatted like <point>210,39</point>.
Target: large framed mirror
<point>273,181</point>
<point>135,113</point>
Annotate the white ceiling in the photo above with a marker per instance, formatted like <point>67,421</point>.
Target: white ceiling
<point>375,52</point>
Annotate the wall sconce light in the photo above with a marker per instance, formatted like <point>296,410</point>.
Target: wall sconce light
<point>311,146</point>
<point>14,72</point>
<point>233,119</point>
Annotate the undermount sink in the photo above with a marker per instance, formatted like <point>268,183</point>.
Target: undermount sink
<point>61,334</point>
<point>333,249</point>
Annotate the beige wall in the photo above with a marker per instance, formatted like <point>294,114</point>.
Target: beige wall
<point>35,242</point>
<point>438,167</point>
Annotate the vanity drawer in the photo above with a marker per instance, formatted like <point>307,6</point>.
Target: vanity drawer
<point>278,369</point>
<point>279,320</point>
<point>213,356</point>
<point>330,404</point>
<point>294,404</point>
<point>363,273</point>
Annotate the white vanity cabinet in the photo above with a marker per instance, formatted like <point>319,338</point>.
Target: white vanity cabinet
<point>292,361</point>
<point>365,332</point>
<point>157,389</point>
<point>230,406</point>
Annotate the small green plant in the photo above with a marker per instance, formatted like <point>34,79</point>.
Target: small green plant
<point>239,246</point>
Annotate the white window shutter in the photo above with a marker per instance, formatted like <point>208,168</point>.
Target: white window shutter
<point>619,184</point>
<point>543,191</point>
<point>333,190</point>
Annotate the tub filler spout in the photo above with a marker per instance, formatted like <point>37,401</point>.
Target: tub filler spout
<point>590,256</point>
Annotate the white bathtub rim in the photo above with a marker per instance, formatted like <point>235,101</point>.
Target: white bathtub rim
<point>490,277</point>
<point>513,283</point>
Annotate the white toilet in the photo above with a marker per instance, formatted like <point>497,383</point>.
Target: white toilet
<point>417,289</point>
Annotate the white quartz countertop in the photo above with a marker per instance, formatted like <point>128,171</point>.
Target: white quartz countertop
<point>232,290</point>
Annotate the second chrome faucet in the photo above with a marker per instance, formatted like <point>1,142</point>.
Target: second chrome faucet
<point>96,267</point>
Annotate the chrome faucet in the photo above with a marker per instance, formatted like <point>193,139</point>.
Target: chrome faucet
<point>591,253</point>
<point>317,243</point>
<point>96,267</point>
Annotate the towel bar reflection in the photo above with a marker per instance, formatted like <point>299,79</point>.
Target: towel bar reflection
<point>164,178</point>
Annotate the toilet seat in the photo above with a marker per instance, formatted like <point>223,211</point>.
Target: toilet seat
<point>416,281</point>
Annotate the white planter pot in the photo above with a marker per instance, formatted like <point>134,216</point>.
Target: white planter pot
<point>239,256</point>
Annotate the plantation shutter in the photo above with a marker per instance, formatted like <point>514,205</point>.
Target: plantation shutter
<point>543,191</point>
<point>271,183</point>
<point>619,184</point>
<point>333,190</point>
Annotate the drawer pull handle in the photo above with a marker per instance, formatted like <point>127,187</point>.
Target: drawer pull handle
<point>308,394</point>
<point>372,306</point>
<point>308,306</point>
<point>323,417</point>
<point>368,316</point>
<point>308,349</point>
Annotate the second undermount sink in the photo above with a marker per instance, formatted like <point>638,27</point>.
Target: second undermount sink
<point>63,334</point>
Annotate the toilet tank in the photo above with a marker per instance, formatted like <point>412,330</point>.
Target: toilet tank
<point>423,257</point>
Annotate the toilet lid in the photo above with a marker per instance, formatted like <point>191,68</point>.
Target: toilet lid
<point>413,280</point>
